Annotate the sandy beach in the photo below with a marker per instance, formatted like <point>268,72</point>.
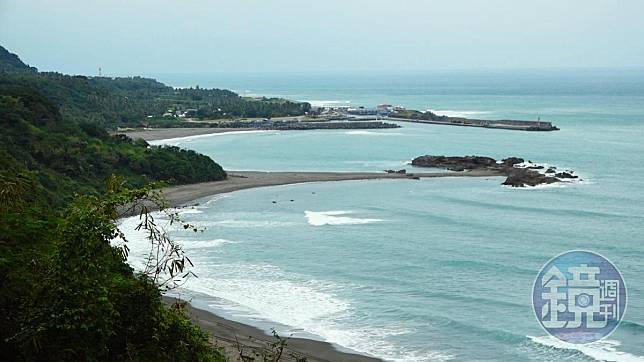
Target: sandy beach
<point>184,195</point>
<point>156,134</point>
<point>231,336</point>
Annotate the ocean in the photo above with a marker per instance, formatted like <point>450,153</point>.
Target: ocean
<point>435,269</point>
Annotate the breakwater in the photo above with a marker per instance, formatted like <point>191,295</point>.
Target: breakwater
<point>287,125</point>
<point>498,124</point>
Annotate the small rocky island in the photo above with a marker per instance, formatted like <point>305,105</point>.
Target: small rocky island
<point>518,173</point>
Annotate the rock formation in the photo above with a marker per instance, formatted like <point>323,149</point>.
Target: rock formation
<point>517,175</point>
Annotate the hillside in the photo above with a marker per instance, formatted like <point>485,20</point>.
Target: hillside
<point>136,101</point>
<point>65,157</point>
<point>10,62</point>
<point>66,292</point>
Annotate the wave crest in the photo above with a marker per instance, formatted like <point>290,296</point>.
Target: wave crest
<point>319,218</point>
<point>604,350</point>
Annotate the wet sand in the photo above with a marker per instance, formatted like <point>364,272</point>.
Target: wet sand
<point>231,336</point>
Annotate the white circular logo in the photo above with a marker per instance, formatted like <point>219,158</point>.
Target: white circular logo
<point>579,297</point>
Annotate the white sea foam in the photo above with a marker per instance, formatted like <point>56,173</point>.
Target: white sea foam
<point>214,199</point>
<point>464,114</point>
<point>326,103</point>
<point>319,218</point>
<point>234,223</point>
<point>137,241</point>
<point>179,140</point>
<point>563,183</point>
<point>556,185</point>
<point>203,244</point>
<point>264,292</point>
<point>190,211</point>
<point>604,350</point>
<point>372,133</point>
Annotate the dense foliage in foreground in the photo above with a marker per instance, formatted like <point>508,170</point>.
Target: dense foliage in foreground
<point>66,293</point>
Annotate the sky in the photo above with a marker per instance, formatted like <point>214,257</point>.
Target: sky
<point>240,36</point>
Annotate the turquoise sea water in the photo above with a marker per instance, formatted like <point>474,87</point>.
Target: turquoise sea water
<point>438,269</point>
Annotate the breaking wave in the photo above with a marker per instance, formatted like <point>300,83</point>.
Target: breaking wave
<point>266,293</point>
<point>372,133</point>
<point>604,350</point>
<point>464,114</point>
<point>204,244</point>
<point>319,218</point>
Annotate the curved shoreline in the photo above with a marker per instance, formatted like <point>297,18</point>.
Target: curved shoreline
<point>182,195</point>
<point>167,134</point>
<point>230,335</point>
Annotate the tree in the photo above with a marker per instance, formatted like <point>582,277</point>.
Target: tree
<point>81,300</point>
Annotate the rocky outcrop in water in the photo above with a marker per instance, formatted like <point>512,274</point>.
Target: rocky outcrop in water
<point>454,163</point>
<point>517,174</point>
<point>521,177</point>
<point>566,174</point>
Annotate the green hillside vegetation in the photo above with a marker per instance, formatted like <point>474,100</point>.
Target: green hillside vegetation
<point>66,292</point>
<point>427,116</point>
<point>65,157</point>
<point>137,101</point>
<point>10,62</point>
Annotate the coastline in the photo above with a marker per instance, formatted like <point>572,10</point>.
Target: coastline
<point>158,134</point>
<point>230,336</point>
<point>184,195</point>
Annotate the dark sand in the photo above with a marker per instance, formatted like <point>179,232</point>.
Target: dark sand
<point>183,195</point>
<point>229,335</point>
<point>155,134</point>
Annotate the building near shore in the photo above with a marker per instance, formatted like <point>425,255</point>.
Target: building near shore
<point>385,108</point>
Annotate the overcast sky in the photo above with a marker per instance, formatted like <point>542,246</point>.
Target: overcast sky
<point>197,36</point>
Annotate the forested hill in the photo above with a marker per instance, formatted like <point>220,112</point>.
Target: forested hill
<point>137,101</point>
<point>66,292</point>
<point>51,132</point>
<point>65,157</point>
<point>10,62</point>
